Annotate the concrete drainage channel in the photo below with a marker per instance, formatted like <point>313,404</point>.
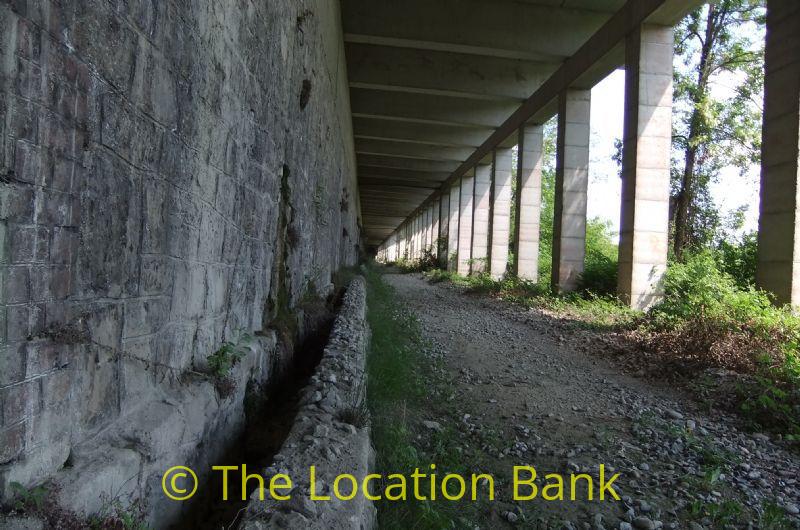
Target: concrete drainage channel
<point>329,433</point>
<point>321,424</point>
<point>270,413</point>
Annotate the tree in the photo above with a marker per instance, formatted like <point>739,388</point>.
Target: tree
<point>714,41</point>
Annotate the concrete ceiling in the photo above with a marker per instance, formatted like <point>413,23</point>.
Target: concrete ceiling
<point>430,81</point>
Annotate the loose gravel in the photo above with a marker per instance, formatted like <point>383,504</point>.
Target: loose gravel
<point>526,390</point>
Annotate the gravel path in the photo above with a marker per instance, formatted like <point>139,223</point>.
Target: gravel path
<point>527,391</point>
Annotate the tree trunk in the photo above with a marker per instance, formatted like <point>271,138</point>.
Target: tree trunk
<point>685,197</point>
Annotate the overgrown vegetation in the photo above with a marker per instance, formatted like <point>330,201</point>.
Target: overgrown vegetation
<point>401,381</point>
<point>426,262</point>
<point>40,502</point>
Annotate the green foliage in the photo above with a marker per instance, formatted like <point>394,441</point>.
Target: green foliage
<point>706,311</point>
<point>698,289</point>
<point>222,361</point>
<point>718,40</point>
<point>399,382</point>
<point>737,258</point>
<point>773,517</point>
<point>600,267</point>
<point>113,514</point>
<point>769,404</point>
<point>28,498</point>
<point>727,512</point>
<point>40,501</point>
<point>593,310</point>
<point>427,261</point>
<point>546,224</point>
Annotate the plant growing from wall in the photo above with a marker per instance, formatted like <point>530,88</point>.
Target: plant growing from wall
<point>222,361</point>
<point>28,498</point>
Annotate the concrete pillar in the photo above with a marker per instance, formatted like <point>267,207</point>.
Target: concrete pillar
<point>429,225</point>
<point>420,233</point>
<point>480,218</point>
<point>572,180</point>
<point>415,237</point>
<point>435,227</point>
<point>431,229</point>
<point>647,139</point>
<point>778,269</point>
<point>465,223</point>
<point>501,211</point>
<point>454,215</point>
<point>444,228</point>
<point>400,242</point>
<point>408,240</point>
<point>412,235</point>
<point>530,152</point>
<point>426,229</point>
<point>404,243</point>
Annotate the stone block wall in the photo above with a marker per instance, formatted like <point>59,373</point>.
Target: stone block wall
<point>173,175</point>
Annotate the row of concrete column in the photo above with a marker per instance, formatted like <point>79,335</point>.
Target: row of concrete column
<point>477,208</point>
<point>468,226</point>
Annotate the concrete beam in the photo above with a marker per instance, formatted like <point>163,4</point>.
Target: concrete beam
<point>400,173</point>
<point>778,270</point>
<point>469,75</point>
<point>410,164</point>
<point>422,132</point>
<point>433,108</point>
<point>384,181</point>
<point>407,149</point>
<point>496,29</point>
<point>571,185</point>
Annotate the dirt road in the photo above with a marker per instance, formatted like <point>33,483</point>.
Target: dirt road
<point>526,390</point>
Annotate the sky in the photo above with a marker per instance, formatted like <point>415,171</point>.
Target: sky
<point>730,192</point>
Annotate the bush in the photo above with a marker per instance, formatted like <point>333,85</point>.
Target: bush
<point>738,259</point>
<point>600,267</point>
<point>708,319</point>
<point>699,290</point>
<point>426,262</point>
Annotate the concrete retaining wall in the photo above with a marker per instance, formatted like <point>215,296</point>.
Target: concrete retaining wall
<point>329,433</point>
<point>173,175</point>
